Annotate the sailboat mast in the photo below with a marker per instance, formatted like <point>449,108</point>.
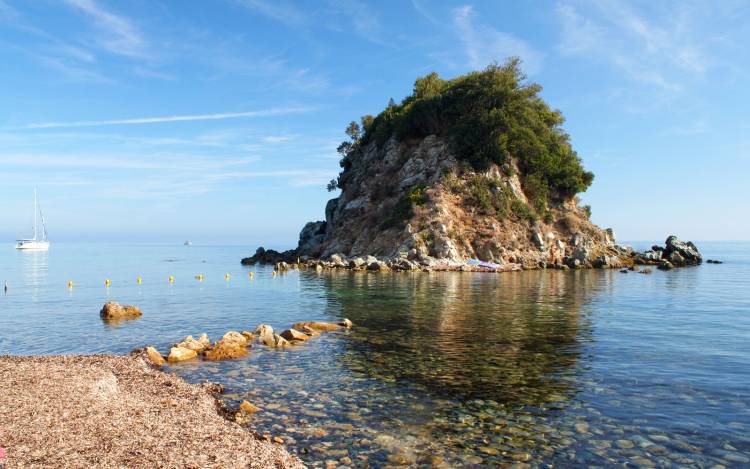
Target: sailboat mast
<point>35,214</point>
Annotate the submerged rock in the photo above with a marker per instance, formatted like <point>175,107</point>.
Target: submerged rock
<point>317,326</point>
<point>113,310</point>
<point>249,408</point>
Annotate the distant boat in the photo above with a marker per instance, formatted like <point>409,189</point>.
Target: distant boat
<point>35,243</point>
<point>188,243</point>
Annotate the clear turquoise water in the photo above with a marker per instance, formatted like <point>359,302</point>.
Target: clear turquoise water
<point>559,369</point>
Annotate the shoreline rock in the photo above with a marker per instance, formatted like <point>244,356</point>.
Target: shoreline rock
<point>575,254</point>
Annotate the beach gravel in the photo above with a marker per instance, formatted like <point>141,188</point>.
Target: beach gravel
<point>118,411</point>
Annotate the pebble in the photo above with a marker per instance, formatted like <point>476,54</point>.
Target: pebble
<point>624,444</point>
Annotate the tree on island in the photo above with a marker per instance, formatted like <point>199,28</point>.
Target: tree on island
<point>488,117</point>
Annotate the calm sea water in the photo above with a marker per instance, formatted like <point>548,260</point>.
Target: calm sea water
<point>544,369</point>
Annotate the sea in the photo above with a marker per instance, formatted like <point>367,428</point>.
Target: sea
<point>590,368</point>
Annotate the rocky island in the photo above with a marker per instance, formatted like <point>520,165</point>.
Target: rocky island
<point>473,173</point>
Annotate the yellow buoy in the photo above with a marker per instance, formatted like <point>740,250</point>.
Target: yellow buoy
<point>273,274</point>
<point>171,279</point>
<point>106,282</point>
<point>139,280</point>
<point>70,284</point>
<point>227,276</point>
<point>251,274</point>
<point>199,277</point>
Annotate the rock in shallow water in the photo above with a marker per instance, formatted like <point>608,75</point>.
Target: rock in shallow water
<point>113,310</point>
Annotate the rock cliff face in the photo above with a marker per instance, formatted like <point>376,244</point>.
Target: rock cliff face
<point>414,200</point>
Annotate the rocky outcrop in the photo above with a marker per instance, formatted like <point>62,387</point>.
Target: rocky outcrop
<point>113,311</point>
<point>675,253</point>
<point>269,256</point>
<point>411,206</point>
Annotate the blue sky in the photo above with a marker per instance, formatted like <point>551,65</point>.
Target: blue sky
<point>218,121</point>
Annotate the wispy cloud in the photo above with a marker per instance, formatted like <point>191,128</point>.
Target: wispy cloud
<point>659,51</point>
<point>117,33</point>
<point>484,45</point>
<point>281,11</point>
<point>156,120</point>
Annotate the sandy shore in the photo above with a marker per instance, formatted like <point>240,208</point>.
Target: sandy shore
<point>115,411</point>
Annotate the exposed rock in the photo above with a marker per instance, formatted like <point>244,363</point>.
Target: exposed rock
<point>311,236</point>
<point>235,337</point>
<point>154,356</point>
<point>686,252</point>
<point>265,335</point>
<point>294,335</point>
<point>346,323</point>
<point>225,349</point>
<point>280,342</point>
<point>714,261</point>
<point>645,271</point>
<point>198,345</point>
<point>676,253</point>
<point>113,310</point>
<point>269,256</point>
<point>180,354</point>
<point>248,335</point>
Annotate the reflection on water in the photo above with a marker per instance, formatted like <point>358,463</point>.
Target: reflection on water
<point>452,370</point>
<point>33,267</point>
<point>545,369</point>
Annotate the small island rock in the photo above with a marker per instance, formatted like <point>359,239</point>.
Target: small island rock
<point>113,310</point>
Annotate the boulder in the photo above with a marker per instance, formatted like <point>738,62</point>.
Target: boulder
<point>113,310</point>
<point>317,326</point>
<point>180,354</point>
<point>198,345</point>
<point>154,356</point>
<point>357,263</point>
<point>225,349</point>
<point>280,342</point>
<point>346,323</point>
<point>294,335</point>
<point>248,335</point>
<point>687,252</point>
<point>235,337</point>
<point>265,335</point>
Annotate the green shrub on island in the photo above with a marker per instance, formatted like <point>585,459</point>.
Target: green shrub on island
<point>487,117</point>
<point>404,208</point>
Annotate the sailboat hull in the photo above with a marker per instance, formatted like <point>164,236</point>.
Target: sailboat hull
<point>32,245</point>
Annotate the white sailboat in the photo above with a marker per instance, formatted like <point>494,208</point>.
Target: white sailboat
<point>37,243</point>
